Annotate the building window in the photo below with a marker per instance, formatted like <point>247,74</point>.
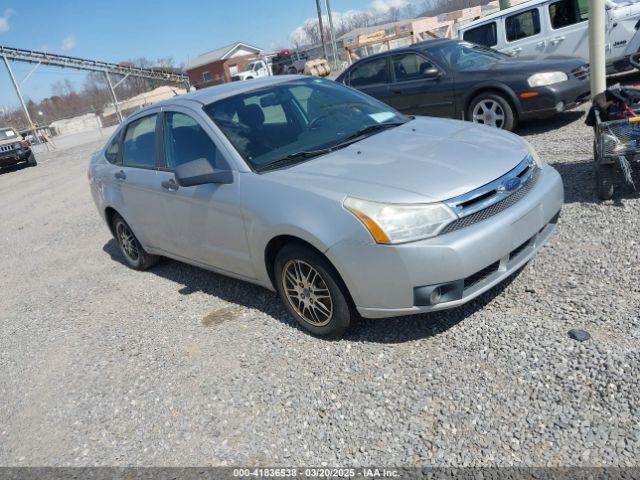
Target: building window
<point>206,77</point>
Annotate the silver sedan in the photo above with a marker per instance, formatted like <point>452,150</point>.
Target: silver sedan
<point>340,203</point>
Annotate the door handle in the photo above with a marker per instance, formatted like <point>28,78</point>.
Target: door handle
<point>556,40</point>
<point>397,92</point>
<point>170,185</point>
<point>541,44</point>
<point>120,175</point>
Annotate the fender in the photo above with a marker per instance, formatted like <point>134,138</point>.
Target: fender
<point>490,85</point>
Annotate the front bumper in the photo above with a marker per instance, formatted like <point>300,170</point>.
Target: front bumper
<point>383,279</point>
<point>556,98</point>
<point>13,157</point>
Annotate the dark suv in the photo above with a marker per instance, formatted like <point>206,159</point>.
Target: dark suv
<point>14,149</point>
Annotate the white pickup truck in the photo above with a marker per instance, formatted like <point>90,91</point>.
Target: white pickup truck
<point>256,69</point>
<point>558,27</point>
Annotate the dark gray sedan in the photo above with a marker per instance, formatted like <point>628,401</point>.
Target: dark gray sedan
<point>458,79</point>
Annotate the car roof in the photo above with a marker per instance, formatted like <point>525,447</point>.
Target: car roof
<point>502,13</point>
<point>420,46</point>
<point>209,95</point>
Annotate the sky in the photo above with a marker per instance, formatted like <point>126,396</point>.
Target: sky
<point>116,30</point>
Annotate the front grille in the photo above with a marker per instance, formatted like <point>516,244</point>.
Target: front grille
<point>477,277</point>
<point>494,209</point>
<point>6,148</point>
<point>581,73</point>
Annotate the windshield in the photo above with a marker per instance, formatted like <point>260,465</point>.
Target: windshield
<point>7,134</point>
<point>303,115</point>
<point>462,56</point>
<point>249,67</point>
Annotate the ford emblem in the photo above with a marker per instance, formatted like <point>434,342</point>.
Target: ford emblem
<point>512,184</point>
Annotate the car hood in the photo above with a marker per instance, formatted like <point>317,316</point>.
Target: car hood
<point>541,63</point>
<point>425,160</point>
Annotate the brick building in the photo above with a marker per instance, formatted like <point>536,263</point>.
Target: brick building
<point>217,66</point>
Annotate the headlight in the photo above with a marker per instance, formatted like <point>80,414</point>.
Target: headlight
<point>534,154</point>
<point>547,78</point>
<point>399,223</point>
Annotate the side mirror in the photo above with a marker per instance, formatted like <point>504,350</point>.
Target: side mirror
<point>432,72</point>
<point>200,172</point>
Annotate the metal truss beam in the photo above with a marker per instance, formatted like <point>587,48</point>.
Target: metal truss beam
<point>31,56</point>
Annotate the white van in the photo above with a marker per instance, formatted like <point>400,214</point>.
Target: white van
<point>558,27</point>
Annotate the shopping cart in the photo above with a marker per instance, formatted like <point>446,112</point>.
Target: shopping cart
<point>615,117</point>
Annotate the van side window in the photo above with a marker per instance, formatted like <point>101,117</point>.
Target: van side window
<point>567,12</point>
<point>483,35</point>
<point>522,25</point>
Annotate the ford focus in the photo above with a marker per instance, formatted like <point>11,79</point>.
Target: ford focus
<point>338,202</point>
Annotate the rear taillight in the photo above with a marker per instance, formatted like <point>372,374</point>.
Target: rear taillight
<point>89,176</point>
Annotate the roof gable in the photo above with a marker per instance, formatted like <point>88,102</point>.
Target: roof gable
<point>223,53</point>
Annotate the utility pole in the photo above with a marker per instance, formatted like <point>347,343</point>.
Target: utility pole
<point>320,24</point>
<point>597,60</point>
<point>504,4</point>
<point>24,105</point>
<point>332,33</point>
<point>113,97</point>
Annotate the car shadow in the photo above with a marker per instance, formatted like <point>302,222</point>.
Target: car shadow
<point>538,126</point>
<point>579,183</point>
<point>244,294</point>
<point>13,168</point>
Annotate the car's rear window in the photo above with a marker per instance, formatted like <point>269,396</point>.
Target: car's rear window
<point>7,134</point>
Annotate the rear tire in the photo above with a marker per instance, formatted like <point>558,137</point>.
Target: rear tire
<point>494,110</point>
<point>312,291</point>
<point>133,253</point>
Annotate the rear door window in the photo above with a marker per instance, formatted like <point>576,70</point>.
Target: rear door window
<point>523,25</point>
<point>483,35</point>
<point>140,143</point>
<point>409,66</point>
<point>373,72</point>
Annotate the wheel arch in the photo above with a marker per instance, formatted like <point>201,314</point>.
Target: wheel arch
<point>493,87</point>
<point>109,213</point>
<point>278,242</point>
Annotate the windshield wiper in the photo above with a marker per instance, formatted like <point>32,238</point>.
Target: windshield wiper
<point>291,159</point>
<point>363,131</point>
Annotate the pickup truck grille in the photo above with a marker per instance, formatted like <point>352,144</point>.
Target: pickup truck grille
<point>6,148</point>
<point>491,199</point>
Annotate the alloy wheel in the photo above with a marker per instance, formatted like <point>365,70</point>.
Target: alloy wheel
<point>489,112</point>
<point>128,242</point>
<point>307,292</point>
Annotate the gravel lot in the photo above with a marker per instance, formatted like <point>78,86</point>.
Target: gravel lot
<point>102,365</point>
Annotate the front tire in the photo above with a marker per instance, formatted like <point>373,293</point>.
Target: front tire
<point>31,160</point>
<point>133,253</point>
<point>312,291</point>
<point>494,110</point>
